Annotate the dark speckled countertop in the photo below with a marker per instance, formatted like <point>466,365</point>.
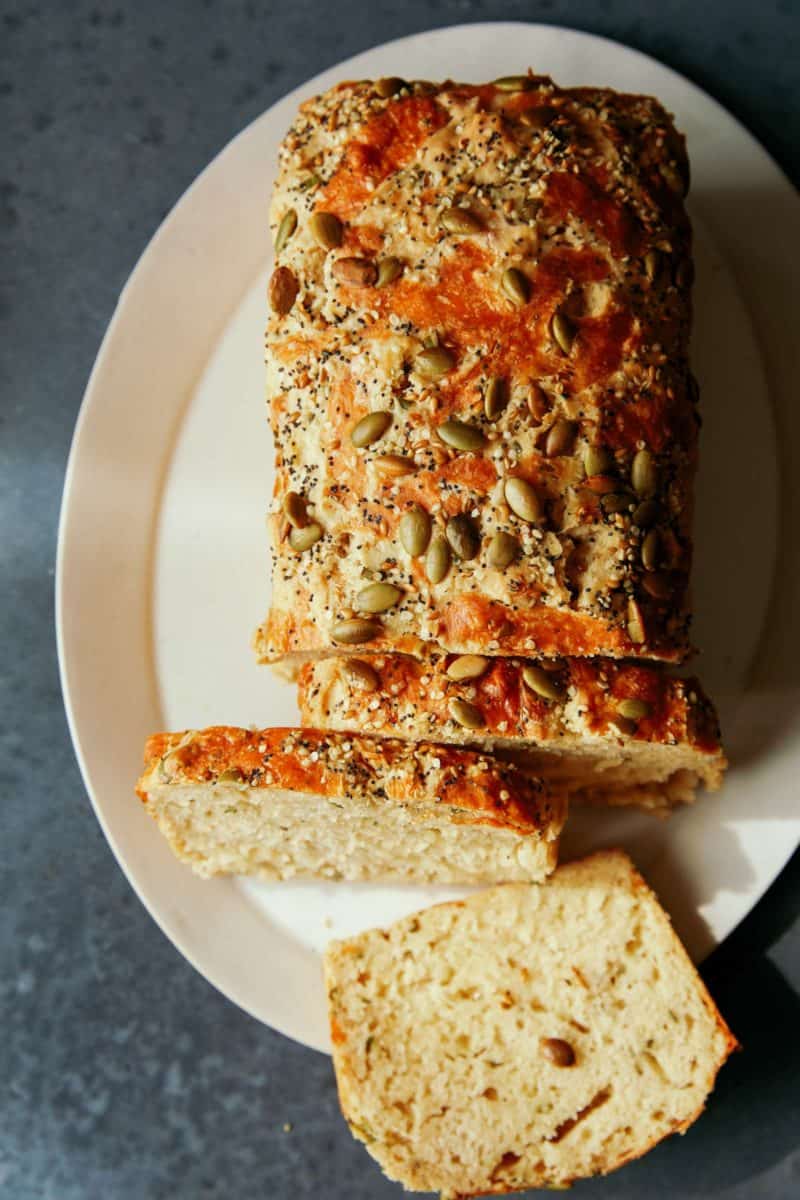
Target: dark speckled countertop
<point>123,1074</point>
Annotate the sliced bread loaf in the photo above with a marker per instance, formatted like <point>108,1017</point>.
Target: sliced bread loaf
<point>300,804</point>
<point>527,1036</point>
<point>610,732</point>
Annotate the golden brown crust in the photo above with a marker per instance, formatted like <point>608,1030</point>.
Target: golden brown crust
<point>477,788</point>
<point>413,694</point>
<point>580,190</point>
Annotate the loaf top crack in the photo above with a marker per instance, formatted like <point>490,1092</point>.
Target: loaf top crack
<point>477,358</point>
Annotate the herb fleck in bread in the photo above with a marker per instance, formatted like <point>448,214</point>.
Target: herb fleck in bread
<point>524,1037</point>
<point>300,804</point>
<point>610,732</point>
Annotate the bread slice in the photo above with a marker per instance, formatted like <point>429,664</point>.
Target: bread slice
<point>301,804</point>
<point>571,731</point>
<point>480,318</point>
<point>525,1037</point>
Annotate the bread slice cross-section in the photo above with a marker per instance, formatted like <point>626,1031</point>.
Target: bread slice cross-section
<point>525,1037</point>
<point>302,804</point>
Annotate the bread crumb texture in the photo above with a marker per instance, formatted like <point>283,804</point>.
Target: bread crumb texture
<point>527,1036</point>
<point>301,804</point>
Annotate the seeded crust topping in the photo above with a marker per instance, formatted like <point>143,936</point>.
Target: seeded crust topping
<point>474,788</point>
<point>510,698</point>
<point>478,378</point>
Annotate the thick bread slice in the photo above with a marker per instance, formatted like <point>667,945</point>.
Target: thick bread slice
<point>454,1033</point>
<point>499,281</point>
<point>576,735</point>
<point>300,804</point>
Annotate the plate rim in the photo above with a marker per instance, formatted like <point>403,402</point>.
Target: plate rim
<point>92,398</point>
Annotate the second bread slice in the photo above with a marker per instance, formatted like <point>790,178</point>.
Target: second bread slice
<point>524,1037</point>
<point>301,804</point>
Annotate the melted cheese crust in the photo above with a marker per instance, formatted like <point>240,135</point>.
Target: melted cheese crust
<point>412,696</point>
<point>475,788</point>
<point>580,190</point>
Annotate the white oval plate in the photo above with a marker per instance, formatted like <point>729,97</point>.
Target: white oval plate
<point>162,566</point>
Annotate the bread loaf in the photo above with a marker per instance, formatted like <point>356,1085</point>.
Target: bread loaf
<point>609,732</point>
<point>526,1037</point>
<point>484,419</point>
<point>300,804</point>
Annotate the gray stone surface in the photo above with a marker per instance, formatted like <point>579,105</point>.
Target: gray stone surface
<point>122,1073</point>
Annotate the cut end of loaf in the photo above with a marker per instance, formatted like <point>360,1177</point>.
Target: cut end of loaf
<point>525,1037</point>
<point>577,736</point>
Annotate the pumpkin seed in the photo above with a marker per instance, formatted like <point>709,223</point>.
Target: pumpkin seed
<point>646,513</point>
<point>467,666</point>
<point>559,1052</point>
<point>516,286</point>
<point>283,289</point>
<point>514,83</point>
<point>230,775</point>
<point>624,725</point>
<point>560,438</point>
<point>644,476</point>
<point>378,597</point>
<point>615,502</point>
<point>495,398</point>
<point>466,714</point>
<point>358,272</point>
<point>657,585</point>
<point>355,630</point>
<point>414,531</point>
<point>542,682</point>
<point>303,539</point>
<point>392,466</point>
<point>634,709</point>
<point>652,265</point>
<point>503,549</point>
<point>360,674</point>
<point>370,428</point>
<point>460,220</point>
<point>389,86</point>
<point>522,499</point>
<point>434,362</point>
<point>597,460</point>
<point>389,269</point>
<point>285,229</point>
<point>310,181</point>
<point>537,401</point>
<point>326,230</point>
<point>295,508</point>
<point>562,331</point>
<point>636,630</point>
<point>437,560</point>
<point>460,435</point>
<point>463,536</point>
<point>650,548</point>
